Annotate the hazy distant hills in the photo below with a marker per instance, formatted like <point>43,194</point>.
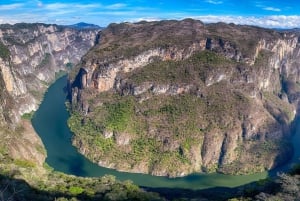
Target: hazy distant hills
<point>83,25</point>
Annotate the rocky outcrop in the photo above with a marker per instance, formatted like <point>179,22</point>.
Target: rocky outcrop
<point>36,53</point>
<point>248,75</point>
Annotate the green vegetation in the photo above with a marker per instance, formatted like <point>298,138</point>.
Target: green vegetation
<point>13,40</point>
<point>24,163</point>
<point>243,38</point>
<point>165,126</point>
<point>4,52</point>
<point>45,61</point>
<point>160,133</point>
<point>28,116</point>
<point>37,94</point>
<point>262,58</point>
<point>259,153</point>
<point>21,179</point>
<point>57,186</point>
<point>125,40</point>
<point>40,149</point>
<point>60,74</point>
<point>75,190</point>
<point>284,187</point>
<point>119,115</point>
<point>278,108</point>
<point>129,130</point>
<point>198,67</point>
<point>69,65</point>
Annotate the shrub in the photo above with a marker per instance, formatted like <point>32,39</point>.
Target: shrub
<point>75,190</point>
<point>28,116</point>
<point>4,52</point>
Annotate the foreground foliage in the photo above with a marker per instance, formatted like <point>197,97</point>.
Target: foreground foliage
<point>25,180</point>
<point>285,187</point>
<point>57,186</point>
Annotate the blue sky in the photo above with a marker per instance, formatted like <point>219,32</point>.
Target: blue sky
<point>265,13</point>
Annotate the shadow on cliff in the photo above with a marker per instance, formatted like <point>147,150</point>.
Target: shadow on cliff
<point>291,156</point>
<point>78,79</point>
<point>79,83</point>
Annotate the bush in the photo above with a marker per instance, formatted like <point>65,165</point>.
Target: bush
<point>119,115</point>
<point>24,163</point>
<point>28,116</point>
<point>4,52</point>
<point>75,190</point>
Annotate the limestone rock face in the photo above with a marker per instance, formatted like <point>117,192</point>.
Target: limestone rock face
<point>31,56</point>
<point>245,79</point>
<point>36,53</point>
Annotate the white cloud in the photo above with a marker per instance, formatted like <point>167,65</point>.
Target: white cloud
<point>105,14</point>
<point>62,6</point>
<point>121,14</point>
<point>86,6</point>
<point>39,4</point>
<point>56,6</point>
<point>59,12</point>
<point>268,8</point>
<point>214,2</point>
<point>16,19</point>
<point>63,10</point>
<point>11,6</point>
<point>116,6</point>
<point>273,21</point>
<point>148,19</point>
<point>272,9</point>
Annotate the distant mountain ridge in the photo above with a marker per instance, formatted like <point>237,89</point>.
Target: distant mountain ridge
<point>83,25</point>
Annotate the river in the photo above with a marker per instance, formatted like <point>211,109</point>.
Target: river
<point>50,122</point>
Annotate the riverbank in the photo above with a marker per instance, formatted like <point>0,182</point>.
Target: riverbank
<point>50,122</point>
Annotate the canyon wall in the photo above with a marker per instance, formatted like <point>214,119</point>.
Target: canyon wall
<point>249,75</point>
<point>32,56</point>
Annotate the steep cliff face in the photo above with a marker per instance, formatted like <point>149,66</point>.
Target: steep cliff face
<point>31,55</point>
<point>175,97</point>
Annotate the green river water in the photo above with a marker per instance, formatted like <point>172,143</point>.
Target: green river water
<point>50,122</point>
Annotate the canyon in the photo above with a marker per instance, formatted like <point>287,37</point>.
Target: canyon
<point>171,98</point>
<point>32,57</point>
<point>167,98</point>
